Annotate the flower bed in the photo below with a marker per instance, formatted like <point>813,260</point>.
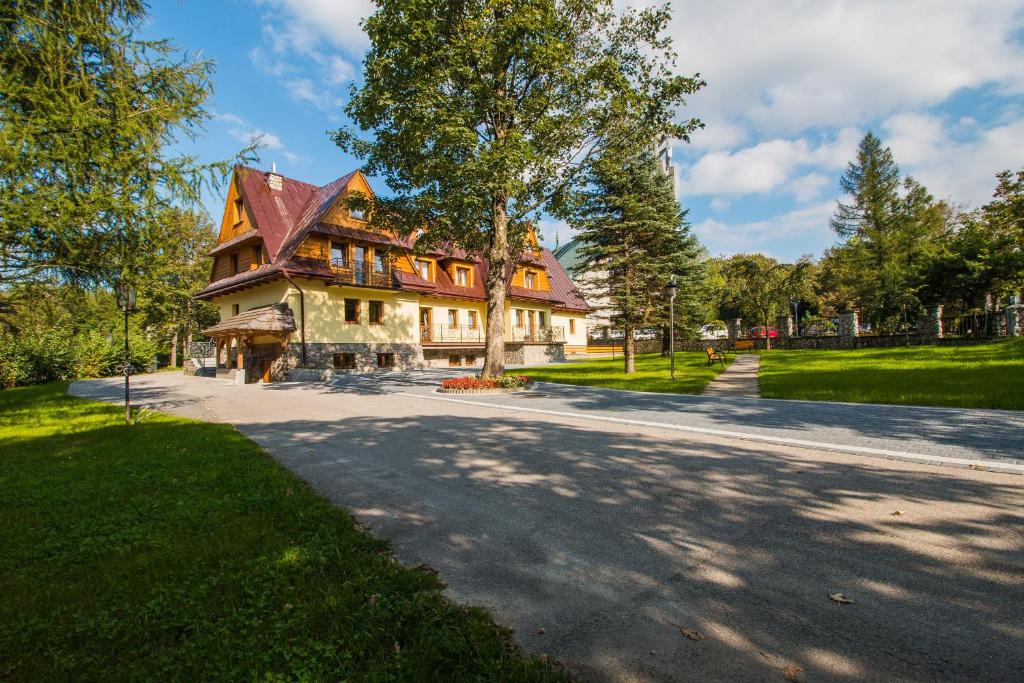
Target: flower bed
<point>477,384</point>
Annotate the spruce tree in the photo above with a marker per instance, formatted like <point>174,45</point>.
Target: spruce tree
<point>636,238</point>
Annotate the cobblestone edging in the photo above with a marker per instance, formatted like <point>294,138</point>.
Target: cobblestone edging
<point>497,390</point>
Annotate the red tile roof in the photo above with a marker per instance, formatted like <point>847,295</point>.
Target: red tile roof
<point>283,218</point>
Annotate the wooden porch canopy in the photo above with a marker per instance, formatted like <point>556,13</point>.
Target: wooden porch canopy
<point>276,320</point>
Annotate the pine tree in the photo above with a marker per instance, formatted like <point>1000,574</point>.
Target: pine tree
<point>635,237</point>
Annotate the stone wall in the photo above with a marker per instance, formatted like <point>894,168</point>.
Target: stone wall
<point>321,356</point>
<point>439,358</point>
<point>533,354</point>
<point>1015,320</point>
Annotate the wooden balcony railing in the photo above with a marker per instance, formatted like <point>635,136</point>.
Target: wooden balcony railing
<point>363,274</point>
<point>451,334</point>
<point>537,334</point>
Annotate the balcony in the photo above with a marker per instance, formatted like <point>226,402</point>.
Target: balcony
<point>543,335</point>
<point>451,334</point>
<point>362,274</point>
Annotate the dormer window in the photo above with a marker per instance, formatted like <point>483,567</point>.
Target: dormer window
<point>531,279</point>
<point>462,276</point>
<point>357,214</point>
<point>239,211</point>
<point>423,269</point>
<point>257,256</point>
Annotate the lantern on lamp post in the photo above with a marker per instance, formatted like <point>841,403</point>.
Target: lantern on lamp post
<point>126,301</point>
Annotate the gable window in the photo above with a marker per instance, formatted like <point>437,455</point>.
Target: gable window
<point>257,256</point>
<point>351,310</point>
<point>423,269</point>
<point>473,319</point>
<point>453,317</point>
<point>357,214</point>
<point>339,251</point>
<point>531,279</point>
<point>239,211</point>
<point>345,361</point>
<point>376,312</point>
<point>234,263</point>
<point>572,326</point>
<point>462,277</point>
<point>385,360</point>
<point>234,309</point>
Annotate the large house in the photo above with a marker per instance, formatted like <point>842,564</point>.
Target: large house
<point>303,281</point>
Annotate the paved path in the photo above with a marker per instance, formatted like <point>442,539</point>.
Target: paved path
<point>597,541</point>
<point>739,380</point>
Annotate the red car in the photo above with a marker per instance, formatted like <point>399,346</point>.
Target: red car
<point>758,333</point>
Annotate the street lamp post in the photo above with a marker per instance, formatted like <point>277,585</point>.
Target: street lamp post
<point>672,286</point>
<point>126,301</point>
<point>796,314</point>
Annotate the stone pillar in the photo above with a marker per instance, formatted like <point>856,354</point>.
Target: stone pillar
<point>734,327</point>
<point>784,326</point>
<point>849,324</point>
<point>1015,320</point>
<point>930,326</point>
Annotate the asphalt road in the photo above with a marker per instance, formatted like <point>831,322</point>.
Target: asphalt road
<point>637,553</point>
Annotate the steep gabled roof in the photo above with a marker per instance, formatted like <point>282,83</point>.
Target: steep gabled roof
<point>274,211</point>
<point>316,207</point>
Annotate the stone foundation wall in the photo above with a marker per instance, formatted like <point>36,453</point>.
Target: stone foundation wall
<point>321,356</point>
<point>439,358</point>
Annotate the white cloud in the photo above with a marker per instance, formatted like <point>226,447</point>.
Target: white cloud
<point>952,166</point>
<point>784,66</point>
<point>336,69</point>
<point>554,232</point>
<point>719,204</point>
<point>265,139</point>
<point>809,225</point>
<point>269,65</point>
<point>304,22</point>
<point>807,188</point>
<point>767,166</point>
<point>233,119</point>
<point>296,159</point>
<point>304,90</point>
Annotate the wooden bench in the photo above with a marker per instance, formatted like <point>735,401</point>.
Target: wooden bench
<point>744,345</point>
<point>715,356</point>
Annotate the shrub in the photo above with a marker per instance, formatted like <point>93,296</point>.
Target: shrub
<point>481,382</point>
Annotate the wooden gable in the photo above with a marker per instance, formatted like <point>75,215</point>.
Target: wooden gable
<point>236,219</point>
<point>339,214</point>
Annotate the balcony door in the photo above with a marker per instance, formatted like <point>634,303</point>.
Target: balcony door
<point>338,255</point>
<point>426,318</point>
<point>359,265</point>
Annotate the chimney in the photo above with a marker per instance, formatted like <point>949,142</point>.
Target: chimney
<point>274,181</point>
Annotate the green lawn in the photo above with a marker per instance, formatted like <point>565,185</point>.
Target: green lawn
<point>986,376</point>
<point>652,373</point>
<point>178,550</point>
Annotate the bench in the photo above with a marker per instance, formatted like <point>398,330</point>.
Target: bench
<point>715,356</point>
<point>744,345</point>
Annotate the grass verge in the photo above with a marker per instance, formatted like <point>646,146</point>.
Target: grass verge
<point>982,376</point>
<point>652,373</point>
<point>178,550</point>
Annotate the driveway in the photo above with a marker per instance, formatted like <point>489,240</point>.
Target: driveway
<point>636,551</point>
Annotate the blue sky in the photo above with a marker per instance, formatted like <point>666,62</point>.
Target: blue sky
<point>792,87</point>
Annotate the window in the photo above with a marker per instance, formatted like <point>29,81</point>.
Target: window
<point>470,359</point>
<point>385,360</point>
<point>531,279</point>
<point>462,277</point>
<point>234,264</point>
<point>542,319</point>
<point>454,360</point>
<point>239,211</point>
<point>378,262</point>
<point>357,214</point>
<point>234,309</point>
<point>453,317</point>
<point>572,326</point>
<point>351,310</point>
<point>376,312</point>
<point>257,256</point>
<point>423,268</point>
<point>473,319</point>
<point>339,253</point>
<point>517,316</point>
<point>345,361</point>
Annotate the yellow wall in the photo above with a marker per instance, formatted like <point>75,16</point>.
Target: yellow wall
<point>572,340</point>
<point>269,293</point>
<point>441,307</point>
<point>325,314</point>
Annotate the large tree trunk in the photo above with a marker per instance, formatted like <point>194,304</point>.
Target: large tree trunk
<point>629,349</point>
<point>174,350</point>
<point>498,257</point>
